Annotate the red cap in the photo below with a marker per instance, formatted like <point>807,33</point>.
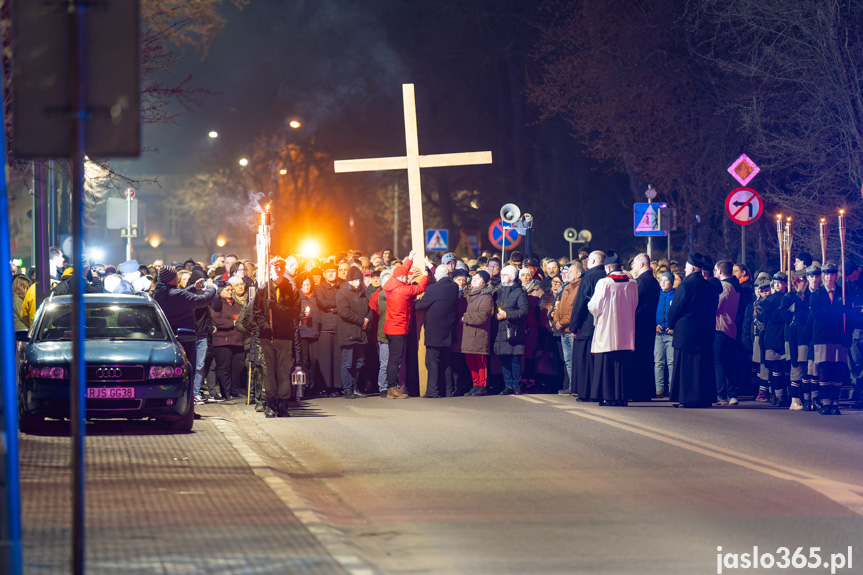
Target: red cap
<point>400,271</point>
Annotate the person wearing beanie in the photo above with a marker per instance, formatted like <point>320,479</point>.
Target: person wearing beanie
<point>401,295</point>
<point>329,352</point>
<point>692,317</point>
<point>440,304</point>
<point>509,329</point>
<point>581,326</point>
<point>179,307</point>
<point>802,261</point>
<point>473,331</point>
<point>352,306</point>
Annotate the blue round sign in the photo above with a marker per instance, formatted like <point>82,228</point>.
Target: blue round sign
<point>496,234</point>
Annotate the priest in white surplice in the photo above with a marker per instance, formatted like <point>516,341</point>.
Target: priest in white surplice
<point>613,307</point>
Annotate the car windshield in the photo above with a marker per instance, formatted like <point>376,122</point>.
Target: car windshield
<point>104,321</point>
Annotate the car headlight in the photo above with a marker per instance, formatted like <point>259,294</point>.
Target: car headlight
<point>48,372</point>
<point>163,371</point>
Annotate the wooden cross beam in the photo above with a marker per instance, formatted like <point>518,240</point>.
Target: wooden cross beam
<point>412,162</point>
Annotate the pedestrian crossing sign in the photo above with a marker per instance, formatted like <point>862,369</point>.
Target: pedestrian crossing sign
<point>647,220</point>
<point>437,240</point>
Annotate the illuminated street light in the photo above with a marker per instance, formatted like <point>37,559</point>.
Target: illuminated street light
<point>154,242</point>
<point>244,162</point>
<point>294,124</point>
<point>310,249</point>
<point>213,134</point>
<point>221,241</point>
<point>283,171</point>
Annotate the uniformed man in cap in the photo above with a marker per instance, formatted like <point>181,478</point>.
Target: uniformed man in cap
<point>692,316</point>
<point>829,328</point>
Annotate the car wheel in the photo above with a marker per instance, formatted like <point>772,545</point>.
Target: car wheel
<point>183,425</point>
<point>31,424</point>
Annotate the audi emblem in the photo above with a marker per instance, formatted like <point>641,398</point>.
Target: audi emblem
<point>109,373</point>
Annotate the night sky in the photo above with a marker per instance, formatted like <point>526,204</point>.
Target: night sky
<point>338,66</point>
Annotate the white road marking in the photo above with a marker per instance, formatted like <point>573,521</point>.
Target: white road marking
<point>845,494</point>
<point>333,539</point>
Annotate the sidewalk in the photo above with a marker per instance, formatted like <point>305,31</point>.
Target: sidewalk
<point>162,503</point>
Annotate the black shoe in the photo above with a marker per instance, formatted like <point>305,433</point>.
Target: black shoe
<point>359,395</point>
<point>334,394</point>
<point>564,392</point>
<point>807,405</point>
<point>479,390</point>
<point>826,409</point>
<point>348,394</point>
<point>507,391</point>
<point>384,394</point>
<point>268,412</point>
<point>517,390</point>
<point>427,396</point>
<point>835,410</point>
<point>216,398</point>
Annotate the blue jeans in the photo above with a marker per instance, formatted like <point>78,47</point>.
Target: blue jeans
<point>352,363</point>
<point>384,355</point>
<point>566,344</point>
<point>200,356</point>
<point>663,358</point>
<point>511,367</point>
<point>724,361</point>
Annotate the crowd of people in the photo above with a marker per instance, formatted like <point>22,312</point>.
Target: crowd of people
<point>597,328</point>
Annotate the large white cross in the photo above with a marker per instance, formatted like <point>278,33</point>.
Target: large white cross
<point>412,162</point>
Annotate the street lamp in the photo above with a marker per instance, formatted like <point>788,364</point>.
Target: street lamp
<point>294,124</point>
<point>221,241</point>
<point>213,134</point>
<point>244,162</point>
<point>283,171</point>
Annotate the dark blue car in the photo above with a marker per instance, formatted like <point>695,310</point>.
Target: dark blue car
<point>136,367</point>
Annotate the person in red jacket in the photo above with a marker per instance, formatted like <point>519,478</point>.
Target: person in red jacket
<point>401,295</point>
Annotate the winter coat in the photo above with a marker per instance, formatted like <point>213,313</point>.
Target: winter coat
<point>325,298</point>
<point>352,305</point>
<point>533,320</point>
<point>309,326</point>
<point>400,302</point>
<point>440,302</point>
<point>692,315</point>
<point>726,311</point>
<point>828,317</point>
<point>378,304</point>
<point>563,312</point>
<point>662,307</point>
<point>795,313</point>
<point>774,329</point>
<point>648,299</point>
<point>509,334</point>
<point>204,326</point>
<point>613,306</point>
<point>581,322</point>
<point>92,284</point>
<point>179,305</point>
<point>224,319</point>
<point>281,303</point>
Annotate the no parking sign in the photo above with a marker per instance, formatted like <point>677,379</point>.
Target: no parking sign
<point>498,230</point>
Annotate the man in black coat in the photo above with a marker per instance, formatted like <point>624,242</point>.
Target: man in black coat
<point>644,382</point>
<point>352,305</point>
<point>581,326</point>
<point>329,352</point>
<point>440,304</point>
<point>692,316</point>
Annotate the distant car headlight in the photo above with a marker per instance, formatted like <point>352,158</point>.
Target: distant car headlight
<point>163,371</point>
<point>48,372</point>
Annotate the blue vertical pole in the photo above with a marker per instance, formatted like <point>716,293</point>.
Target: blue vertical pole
<point>78,377</point>
<point>11,530</point>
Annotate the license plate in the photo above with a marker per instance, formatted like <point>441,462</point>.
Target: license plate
<point>110,393</point>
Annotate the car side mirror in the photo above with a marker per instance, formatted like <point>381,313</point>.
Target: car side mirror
<point>22,335</point>
<point>185,335</point>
